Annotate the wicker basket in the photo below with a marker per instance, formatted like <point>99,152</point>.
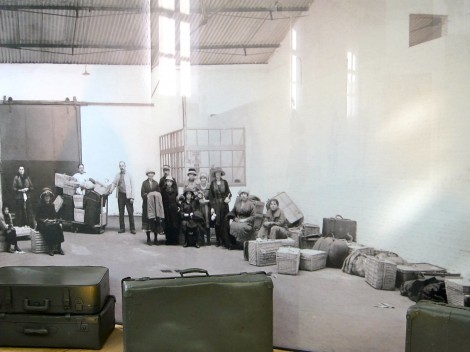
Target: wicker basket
<point>380,274</point>
<point>68,190</point>
<point>78,201</point>
<point>311,259</point>
<point>353,246</point>
<point>3,243</point>
<point>295,233</point>
<point>263,253</point>
<point>288,260</point>
<point>311,229</point>
<point>456,290</point>
<point>79,215</point>
<point>38,245</point>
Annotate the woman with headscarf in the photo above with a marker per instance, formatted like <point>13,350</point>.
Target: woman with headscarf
<point>219,197</point>
<point>23,187</point>
<point>149,225</point>
<point>274,223</point>
<point>170,205</point>
<point>242,217</point>
<point>48,225</point>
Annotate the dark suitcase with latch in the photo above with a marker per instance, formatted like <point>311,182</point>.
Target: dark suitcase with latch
<point>62,331</point>
<point>437,327</point>
<point>198,313</point>
<point>53,289</point>
<point>340,228</point>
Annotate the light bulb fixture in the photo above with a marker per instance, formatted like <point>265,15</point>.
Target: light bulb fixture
<point>86,73</point>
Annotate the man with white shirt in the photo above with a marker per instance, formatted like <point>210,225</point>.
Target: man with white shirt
<point>125,195</point>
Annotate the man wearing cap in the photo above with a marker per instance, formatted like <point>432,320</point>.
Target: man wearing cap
<point>192,183</point>
<point>125,195</point>
<point>166,172</point>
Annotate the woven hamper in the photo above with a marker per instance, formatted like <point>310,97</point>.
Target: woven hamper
<point>456,290</point>
<point>295,233</point>
<point>288,260</point>
<point>311,229</point>
<point>263,253</point>
<point>78,201</point>
<point>380,274</point>
<point>353,246</point>
<point>3,242</point>
<point>311,259</point>
<point>37,243</point>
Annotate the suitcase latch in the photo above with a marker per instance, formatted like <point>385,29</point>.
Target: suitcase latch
<point>78,305</point>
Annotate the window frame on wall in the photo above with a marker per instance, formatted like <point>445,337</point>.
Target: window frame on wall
<point>205,149</point>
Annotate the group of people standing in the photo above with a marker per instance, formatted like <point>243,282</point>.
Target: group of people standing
<point>185,219</point>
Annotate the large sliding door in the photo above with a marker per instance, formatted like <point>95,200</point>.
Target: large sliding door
<point>45,139</point>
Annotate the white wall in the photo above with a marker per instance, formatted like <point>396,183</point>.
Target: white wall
<point>400,165</point>
<point>109,133</point>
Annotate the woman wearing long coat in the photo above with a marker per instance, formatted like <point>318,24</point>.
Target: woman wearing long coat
<point>149,225</point>
<point>23,187</point>
<point>219,197</point>
<point>172,220</point>
<point>48,225</point>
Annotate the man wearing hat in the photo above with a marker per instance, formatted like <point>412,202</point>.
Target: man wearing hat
<point>192,183</point>
<point>166,172</point>
<point>125,195</point>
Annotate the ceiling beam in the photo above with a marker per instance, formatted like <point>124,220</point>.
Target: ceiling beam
<point>253,9</point>
<point>234,46</point>
<point>72,8</point>
<point>72,46</point>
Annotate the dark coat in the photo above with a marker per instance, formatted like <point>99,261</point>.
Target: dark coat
<point>144,191</point>
<point>217,195</point>
<point>170,206</point>
<point>52,232</point>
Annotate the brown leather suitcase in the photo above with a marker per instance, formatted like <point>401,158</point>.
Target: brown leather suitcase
<point>340,228</point>
<point>88,331</point>
<point>53,289</point>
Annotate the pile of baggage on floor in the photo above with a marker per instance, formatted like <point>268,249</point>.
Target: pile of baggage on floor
<point>335,247</point>
<point>55,306</point>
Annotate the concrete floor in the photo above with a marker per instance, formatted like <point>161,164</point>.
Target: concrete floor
<point>324,311</point>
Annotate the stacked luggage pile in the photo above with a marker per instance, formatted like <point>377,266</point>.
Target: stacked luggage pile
<point>55,306</point>
<point>72,208</point>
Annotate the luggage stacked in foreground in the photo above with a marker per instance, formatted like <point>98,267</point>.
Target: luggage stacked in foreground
<point>437,327</point>
<point>198,313</point>
<point>55,306</point>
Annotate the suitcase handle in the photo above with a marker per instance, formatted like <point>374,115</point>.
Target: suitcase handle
<point>36,308</point>
<point>193,270</point>
<point>29,331</point>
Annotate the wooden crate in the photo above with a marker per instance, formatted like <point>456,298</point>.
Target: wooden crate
<point>380,274</point>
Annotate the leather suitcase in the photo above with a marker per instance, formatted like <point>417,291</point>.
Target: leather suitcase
<point>198,313</point>
<point>63,331</point>
<point>53,289</point>
<point>341,228</point>
<point>437,327</point>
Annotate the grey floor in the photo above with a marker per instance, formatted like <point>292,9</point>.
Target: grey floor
<point>325,310</point>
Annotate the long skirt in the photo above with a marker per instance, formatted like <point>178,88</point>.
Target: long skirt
<point>242,231</point>
<point>53,234</point>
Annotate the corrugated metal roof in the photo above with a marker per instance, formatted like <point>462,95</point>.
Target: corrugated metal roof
<point>126,32</point>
